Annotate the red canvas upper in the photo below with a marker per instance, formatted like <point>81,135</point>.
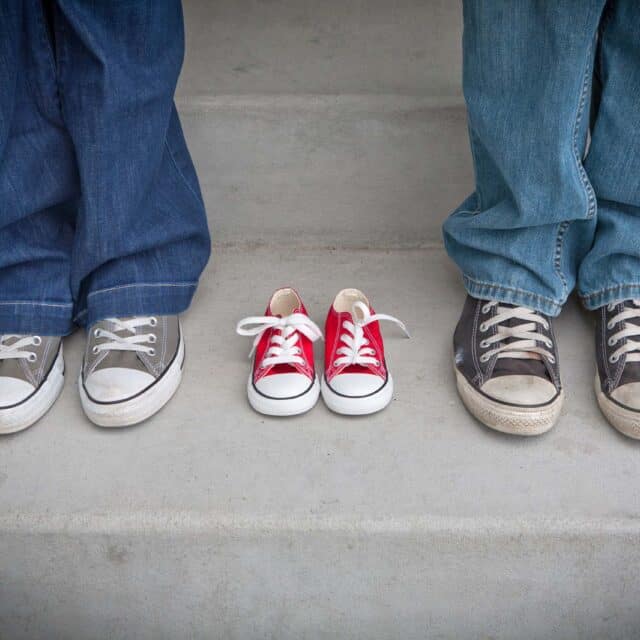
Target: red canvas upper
<point>306,345</point>
<point>334,330</point>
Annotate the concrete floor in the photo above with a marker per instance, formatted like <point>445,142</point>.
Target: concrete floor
<point>218,521</point>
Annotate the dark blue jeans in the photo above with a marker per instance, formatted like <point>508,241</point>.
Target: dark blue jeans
<point>100,209</point>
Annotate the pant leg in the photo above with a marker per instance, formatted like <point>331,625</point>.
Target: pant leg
<point>141,237</point>
<point>38,179</point>
<point>611,270</point>
<point>528,68</point>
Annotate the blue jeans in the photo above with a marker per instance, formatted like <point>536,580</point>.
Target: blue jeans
<point>100,209</point>
<point>551,211</point>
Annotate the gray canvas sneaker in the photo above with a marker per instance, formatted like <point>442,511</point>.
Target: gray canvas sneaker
<point>31,379</point>
<point>132,367</point>
<point>618,365</point>
<point>506,365</point>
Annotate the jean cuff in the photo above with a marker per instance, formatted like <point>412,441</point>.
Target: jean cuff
<point>511,295</point>
<point>138,299</point>
<point>615,293</point>
<point>27,317</point>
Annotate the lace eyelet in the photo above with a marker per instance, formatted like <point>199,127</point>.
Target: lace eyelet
<point>611,307</point>
<point>153,322</point>
<point>485,309</point>
<point>152,352</point>
<point>610,325</point>
<point>483,328</point>
<point>94,351</point>
<point>552,360</point>
<point>96,333</point>
<point>335,363</point>
<point>37,341</point>
<point>614,359</point>
<point>612,341</point>
<point>151,338</point>
<point>377,363</point>
<point>484,344</point>
<point>32,357</point>
<point>484,358</point>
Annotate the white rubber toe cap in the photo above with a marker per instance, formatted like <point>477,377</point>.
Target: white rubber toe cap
<point>628,395</point>
<point>356,384</point>
<point>116,384</point>
<point>283,385</point>
<point>14,390</point>
<point>520,389</point>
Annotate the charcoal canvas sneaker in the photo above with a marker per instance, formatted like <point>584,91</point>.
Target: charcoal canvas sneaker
<point>506,366</point>
<point>618,365</point>
<point>31,379</point>
<point>132,367</point>
<point>356,377</point>
<point>283,380</point>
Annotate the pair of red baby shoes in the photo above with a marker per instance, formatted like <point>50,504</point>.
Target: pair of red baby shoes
<point>283,380</point>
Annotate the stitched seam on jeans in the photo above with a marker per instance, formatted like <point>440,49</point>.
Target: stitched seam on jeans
<point>141,284</point>
<point>512,289</point>
<point>591,200</point>
<point>61,305</point>
<point>182,176</point>
<point>617,287</point>
<point>557,261</point>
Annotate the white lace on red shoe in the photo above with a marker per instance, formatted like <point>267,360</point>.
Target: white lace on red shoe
<point>283,346</point>
<point>356,349</point>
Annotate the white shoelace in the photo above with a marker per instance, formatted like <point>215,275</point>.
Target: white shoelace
<point>356,349</point>
<point>520,341</point>
<point>138,342</point>
<point>283,346</point>
<point>629,330</point>
<point>16,350</point>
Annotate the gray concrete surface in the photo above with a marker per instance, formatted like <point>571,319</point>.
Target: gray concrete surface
<point>271,47</point>
<point>350,171</point>
<point>211,521</point>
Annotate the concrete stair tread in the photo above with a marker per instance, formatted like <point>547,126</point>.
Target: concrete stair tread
<point>209,461</point>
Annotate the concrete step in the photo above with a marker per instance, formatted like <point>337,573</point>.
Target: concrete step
<point>211,521</point>
<point>322,171</point>
<point>331,47</point>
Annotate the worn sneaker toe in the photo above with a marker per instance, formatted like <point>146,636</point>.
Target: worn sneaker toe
<point>115,384</point>
<point>628,395</point>
<point>14,391</point>
<point>521,390</point>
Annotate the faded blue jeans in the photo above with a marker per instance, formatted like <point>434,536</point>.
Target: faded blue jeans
<point>553,208</point>
<point>100,210</point>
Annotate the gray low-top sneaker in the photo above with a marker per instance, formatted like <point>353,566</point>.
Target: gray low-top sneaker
<point>506,365</point>
<point>131,368</point>
<point>618,365</point>
<point>31,379</point>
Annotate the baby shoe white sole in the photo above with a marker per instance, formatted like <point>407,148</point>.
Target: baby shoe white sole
<point>31,409</point>
<point>140,407</point>
<point>358,405</point>
<point>521,421</point>
<point>294,406</point>
<point>626,421</point>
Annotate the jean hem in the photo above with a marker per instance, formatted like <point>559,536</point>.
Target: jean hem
<point>608,295</point>
<point>29,317</point>
<point>149,298</point>
<point>511,295</point>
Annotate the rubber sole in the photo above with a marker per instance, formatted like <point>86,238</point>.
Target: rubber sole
<point>626,421</point>
<point>27,413</point>
<point>285,406</point>
<point>521,421</point>
<point>140,407</point>
<point>357,406</point>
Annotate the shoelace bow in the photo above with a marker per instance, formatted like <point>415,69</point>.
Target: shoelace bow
<point>356,349</point>
<point>132,341</point>
<point>15,350</point>
<point>519,341</point>
<point>631,348</point>
<point>283,345</point>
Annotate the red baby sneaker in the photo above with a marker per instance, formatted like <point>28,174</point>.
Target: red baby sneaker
<point>356,379</point>
<point>283,380</point>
